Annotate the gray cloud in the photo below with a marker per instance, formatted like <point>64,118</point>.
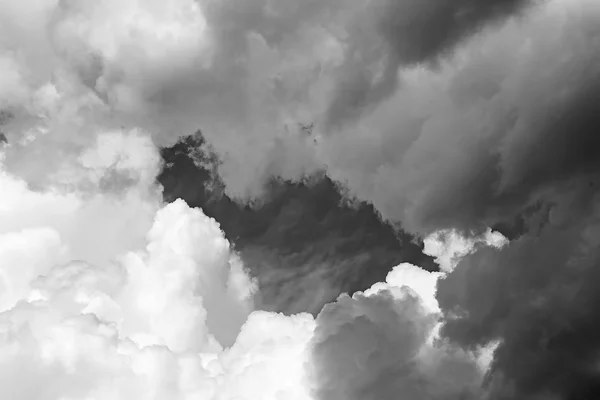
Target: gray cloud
<point>389,34</point>
<point>371,348</point>
<point>491,124</point>
<point>538,298</point>
<point>486,137</point>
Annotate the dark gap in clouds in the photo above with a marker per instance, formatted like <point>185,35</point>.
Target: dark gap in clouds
<point>302,242</point>
<point>531,220</point>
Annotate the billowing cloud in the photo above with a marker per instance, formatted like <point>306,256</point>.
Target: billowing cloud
<point>449,247</point>
<point>108,192</point>
<point>445,123</point>
<point>249,73</point>
<point>495,129</point>
<point>388,34</point>
<point>536,297</point>
<point>173,319</point>
<point>128,328</point>
<point>75,68</point>
<point>379,345</point>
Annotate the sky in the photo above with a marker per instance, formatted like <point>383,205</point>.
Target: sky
<point>303,243</point>
<point>304,200</point>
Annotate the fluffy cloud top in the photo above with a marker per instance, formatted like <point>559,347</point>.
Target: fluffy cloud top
<point>173,319</point>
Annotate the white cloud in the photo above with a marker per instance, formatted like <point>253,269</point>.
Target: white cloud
<point>110,330</point>
<point>99,211</point>
<point>23,256</point>
<point>174,319</point>
<point>449,246</point>
<point>417,279</point>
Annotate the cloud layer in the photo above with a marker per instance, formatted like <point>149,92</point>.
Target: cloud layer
<point>449,118</point>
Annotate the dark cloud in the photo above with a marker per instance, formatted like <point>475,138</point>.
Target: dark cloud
<point>538,298</point>
<point>464,114</point>
<point>501,133</point>
<point>395,33</point>
<point>504,133</point>
<point>302,242</point>
<point>371,347</point>
<point>489,139</point>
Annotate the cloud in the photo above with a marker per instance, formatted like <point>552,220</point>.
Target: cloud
<point>248,74</point>
<point>387,35</point>
<point>107,293</point>
<point>113,294</point>
<point>268,359</point>
<point>174,319</point>
<point>24,255</point>
<point>494,130</point>
<point>378,344</point>
<point>103,331</point>
<point>449,247</point>
<point>302,241</point>
<point>241,71</point>
<point>537,298</point>
<point>100,205</point>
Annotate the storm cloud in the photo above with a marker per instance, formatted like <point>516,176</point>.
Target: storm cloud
<point>340,140</point>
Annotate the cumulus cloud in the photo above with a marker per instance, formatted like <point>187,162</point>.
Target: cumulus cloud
<point>379,345</point>
<point>174,320</point>
<point>168,313</point>
<point>109,193</point>
<point>501,133</point>
<point>135,327</point>
<point>449,247</point>
<point>74,68</point>
<point>537,298</point>
<point>106,293</point>
<point>495,129</point>
<point>109,294</point>
<point>387,35</point>
<point>249,73</point>
<point>24,256</point>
